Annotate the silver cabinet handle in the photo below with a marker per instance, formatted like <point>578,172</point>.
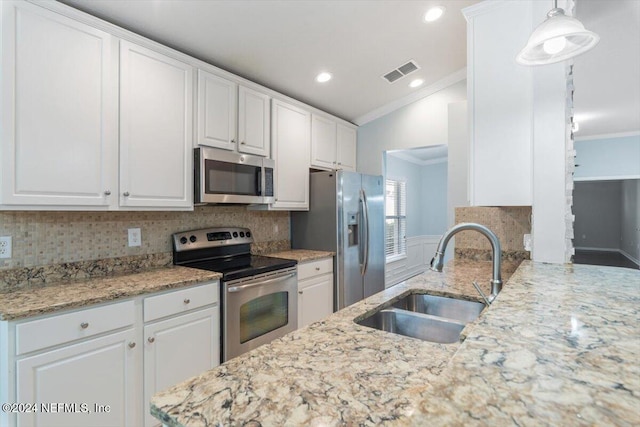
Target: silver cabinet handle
<point>107,192</point>
<point>187,301</point>
<point>242,143</point>
<point>317,268</point>
<point>84,325</point>
<point>132,344</point>
<point>151,339</point>
<point>125,194</point>
<point>339,163</point>
<point>301,292</point>
<point>233,141</point>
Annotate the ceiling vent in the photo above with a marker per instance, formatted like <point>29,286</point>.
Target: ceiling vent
<point>401,71</point>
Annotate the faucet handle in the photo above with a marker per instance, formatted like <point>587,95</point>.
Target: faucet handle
<point>484,297</point>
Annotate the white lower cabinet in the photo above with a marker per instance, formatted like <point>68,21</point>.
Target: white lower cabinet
<point>100,366</point>
<point>93,383</point>
<point>315,291</point>
<point>177,349</point>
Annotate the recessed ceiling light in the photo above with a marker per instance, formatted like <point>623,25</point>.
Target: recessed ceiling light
<point>323,77</point>
<point>416,83</point>
<point>434,13</point>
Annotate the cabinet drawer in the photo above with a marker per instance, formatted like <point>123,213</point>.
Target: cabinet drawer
<point>315,268</point>
<point>43,333</point>
<point>180,301</point>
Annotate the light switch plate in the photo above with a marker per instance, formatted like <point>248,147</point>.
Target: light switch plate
<point>135,237</point>
<point>5,247</point>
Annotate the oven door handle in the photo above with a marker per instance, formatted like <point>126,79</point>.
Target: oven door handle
<point>259,283</point>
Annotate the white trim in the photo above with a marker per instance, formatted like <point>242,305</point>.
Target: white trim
<point>607,136</point>
<point>403,155</point>
<point>605,178</point>
<point>441,84</point>
<point>420,250</point>
<point>481,8</point>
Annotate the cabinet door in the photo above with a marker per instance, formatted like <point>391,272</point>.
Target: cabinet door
<point>323,142</point>
<point>177,349</point>
<point>59,110</point>
<point>156,94</point>
<point>291,150</point>
<point>102,371</point>
<point>347,142</point>
<point>254,122</point>
<point>217,108</point>
<point>500,107</point>
<point>315,299</point>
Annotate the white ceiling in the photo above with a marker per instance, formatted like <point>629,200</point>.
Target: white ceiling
<point>423,155</point>
<point>284,44</point>
<point>607,78</point>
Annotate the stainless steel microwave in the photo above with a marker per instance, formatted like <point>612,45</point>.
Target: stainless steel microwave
<point>226,177</point>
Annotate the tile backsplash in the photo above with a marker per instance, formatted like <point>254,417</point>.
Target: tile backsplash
<point>43,238</point>
<point>509,223</point>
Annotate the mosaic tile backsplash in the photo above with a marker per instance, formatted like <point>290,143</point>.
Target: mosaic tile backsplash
<point>509,223</point>
<point>43,238</point>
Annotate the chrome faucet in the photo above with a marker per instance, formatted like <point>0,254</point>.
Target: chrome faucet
<point>496,282</point>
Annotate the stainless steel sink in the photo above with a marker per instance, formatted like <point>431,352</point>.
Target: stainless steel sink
<point>450,308</point>
<point>415,325</point>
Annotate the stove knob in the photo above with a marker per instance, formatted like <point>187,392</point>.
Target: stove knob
<point>193,239</point>
<point>183,240</point>
<point>242,234</point>
<point>248,234</point>
<point>235,234</point>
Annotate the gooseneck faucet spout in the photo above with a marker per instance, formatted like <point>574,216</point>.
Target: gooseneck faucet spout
<point>438,259</point>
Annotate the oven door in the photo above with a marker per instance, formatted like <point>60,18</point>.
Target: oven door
<point>258,309</point>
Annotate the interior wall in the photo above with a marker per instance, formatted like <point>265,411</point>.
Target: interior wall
<point>420,124</point>
<point>608,158</point>
<point>630,223</point>
<point>403,170</point>
<point>598,210</point>
<point>434,198</point>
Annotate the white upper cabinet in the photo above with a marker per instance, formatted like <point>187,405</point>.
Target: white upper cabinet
<point>217,106</point>
<point>59,110</point>
<point>333,145</point>
<point>156,97</point>
<point>232,117</point>
<point>500,96</point>
<point>254,122</point>
<point>346,147</point>
<point>291,150</point>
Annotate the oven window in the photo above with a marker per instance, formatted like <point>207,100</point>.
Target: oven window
<point>263,315</point>
<point>231,178</point>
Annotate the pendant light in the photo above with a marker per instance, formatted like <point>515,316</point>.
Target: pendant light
<point>558,38</point>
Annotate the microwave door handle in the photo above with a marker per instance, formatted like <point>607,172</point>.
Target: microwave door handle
<point>259,181</point>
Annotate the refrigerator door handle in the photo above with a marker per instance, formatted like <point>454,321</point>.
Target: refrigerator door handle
<point>365,244</point>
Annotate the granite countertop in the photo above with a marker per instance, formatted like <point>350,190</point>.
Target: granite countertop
<point>301,255</point>
<point>559,346</point>
<point>35,301</point>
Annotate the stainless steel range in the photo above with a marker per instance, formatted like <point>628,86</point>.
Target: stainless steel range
<point>258,294</point>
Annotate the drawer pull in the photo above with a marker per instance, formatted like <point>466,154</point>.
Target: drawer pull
<point>151,340</point>
<point>317,268</point>
<point>84,325</point>
<point>132,344</point>
<point>300,292</point>
<point>187,300</point>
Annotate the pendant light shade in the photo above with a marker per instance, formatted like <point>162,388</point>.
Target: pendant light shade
<point>558,38</point>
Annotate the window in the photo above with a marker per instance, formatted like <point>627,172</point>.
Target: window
<point>395,218</point>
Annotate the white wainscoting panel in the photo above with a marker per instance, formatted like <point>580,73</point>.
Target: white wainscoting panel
<point>420,250</point>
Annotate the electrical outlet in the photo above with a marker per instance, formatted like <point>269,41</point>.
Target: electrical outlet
<point>135,237</point>
<point>5,247</point>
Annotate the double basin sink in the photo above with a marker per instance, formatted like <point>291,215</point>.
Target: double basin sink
<point>425,317</point>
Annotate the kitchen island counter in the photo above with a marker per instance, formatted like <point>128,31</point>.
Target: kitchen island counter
<point>559,346</point>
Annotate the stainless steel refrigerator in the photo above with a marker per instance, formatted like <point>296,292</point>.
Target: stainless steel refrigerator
<point>346,216</point>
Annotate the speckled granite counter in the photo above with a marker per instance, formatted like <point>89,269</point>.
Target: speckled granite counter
<point>559,346</point>
<point>301,255</point>
<point>34,301</point>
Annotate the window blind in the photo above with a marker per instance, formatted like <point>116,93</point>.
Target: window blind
<point>395,218</point>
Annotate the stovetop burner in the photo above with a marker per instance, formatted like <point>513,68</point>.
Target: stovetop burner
<point>225,250</point>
